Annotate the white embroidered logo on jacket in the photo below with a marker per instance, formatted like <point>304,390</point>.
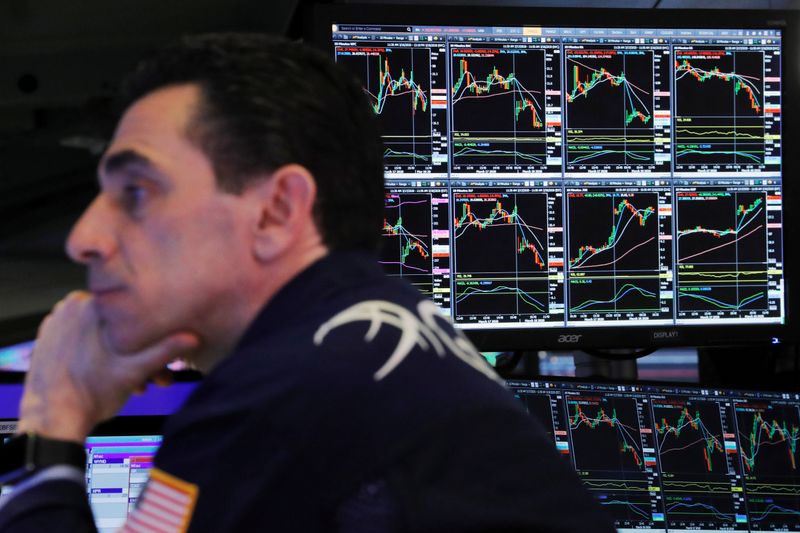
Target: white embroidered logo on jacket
<point>421,329</point>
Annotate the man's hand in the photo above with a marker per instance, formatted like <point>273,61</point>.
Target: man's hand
<point>75,381</point>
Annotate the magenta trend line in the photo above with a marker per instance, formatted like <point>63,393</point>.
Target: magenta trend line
<point>403,265</point>
<point>406,202</point>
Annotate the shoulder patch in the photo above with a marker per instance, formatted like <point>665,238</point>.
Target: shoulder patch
<point>166,505</point>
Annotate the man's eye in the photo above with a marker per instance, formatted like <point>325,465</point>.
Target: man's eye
<point>133,196</point>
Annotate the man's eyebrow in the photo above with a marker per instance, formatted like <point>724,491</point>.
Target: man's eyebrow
<point>122,160</point>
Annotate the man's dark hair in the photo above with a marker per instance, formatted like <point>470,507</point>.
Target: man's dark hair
<point>268,102</point>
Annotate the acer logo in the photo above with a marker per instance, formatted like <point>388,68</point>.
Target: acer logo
<point>665,334</point>
<point>569,338</point>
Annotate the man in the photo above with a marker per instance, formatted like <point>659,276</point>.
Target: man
<point>240,198</point>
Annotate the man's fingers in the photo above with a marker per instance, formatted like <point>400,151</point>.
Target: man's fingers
<point>66,304</point>
<point>71,299</point>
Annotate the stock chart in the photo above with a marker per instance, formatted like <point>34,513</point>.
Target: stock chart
<point>723,252</point>
<point>700,468</point>
<point>499,97</point>
<point>606,434</point>
<point>768,436</point>
<point>502,252</point>
<point>616,254</point>
<point>407,236</point>
<point>415,236</point>
<point>722,118</point>
<point>611,97</point>
<point>612,452</point>
<point>398,82</point>
<point>675,458</point>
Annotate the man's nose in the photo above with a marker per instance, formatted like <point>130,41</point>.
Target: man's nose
<point>90,238</point>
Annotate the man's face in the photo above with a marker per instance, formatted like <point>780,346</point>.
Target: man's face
<point>166,250</point>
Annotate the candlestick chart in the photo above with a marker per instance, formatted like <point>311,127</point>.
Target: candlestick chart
<point>722,251</point>
<point>614,252</point>
<point>696,451</point>
<point>768,436</point>
<point>609,108</point>
<point>690,438</point>
<point>498,108</point>
<point>407,243</point>
<point>720,103</point>
<point>397,82</point>
<point>501,253</point>
<point>605,434</point>
<point>769,439</point>
<point>608,451</point>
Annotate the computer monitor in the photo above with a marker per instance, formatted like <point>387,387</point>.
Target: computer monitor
<point>119,456</point>
<point>577,177</point>
<point>675,457</point>
<point>117,470</point>
<point>16,357</point>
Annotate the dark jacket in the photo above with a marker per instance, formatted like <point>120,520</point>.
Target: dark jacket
<point>352,405</point>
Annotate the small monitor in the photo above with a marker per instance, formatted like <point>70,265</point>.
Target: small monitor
<point>117,470</point>
<point>675,457</point>
<point>119,456</point>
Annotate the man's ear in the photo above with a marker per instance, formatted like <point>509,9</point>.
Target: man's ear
<point>285,204</point>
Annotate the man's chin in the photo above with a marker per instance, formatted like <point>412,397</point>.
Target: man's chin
<point>124,340</point>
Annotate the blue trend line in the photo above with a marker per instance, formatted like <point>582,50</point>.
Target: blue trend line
<point>601,153</point>
<point>724,305</point>
<point>716,152</point>
<point>619,296</point>
<point>394,153</point>
<point>477,152</point>
<point>716,512</point>
<point>643,514</point>
<point>525,297</point>
<point>771,508</point>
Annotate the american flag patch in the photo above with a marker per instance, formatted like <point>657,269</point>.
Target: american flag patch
<point>166,506</point>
